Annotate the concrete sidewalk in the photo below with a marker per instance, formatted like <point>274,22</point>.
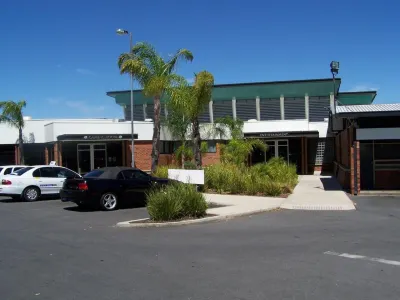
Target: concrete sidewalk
<point>235,205</point>
<point>315,192</point>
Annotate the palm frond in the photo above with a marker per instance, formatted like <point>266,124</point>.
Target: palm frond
<point>12,113</point>
<point>181,54</point>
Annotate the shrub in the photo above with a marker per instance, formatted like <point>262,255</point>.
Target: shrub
<point>271,179</point>
<point>175,201</point>
<point>189,165</point>
<point>162,171</point>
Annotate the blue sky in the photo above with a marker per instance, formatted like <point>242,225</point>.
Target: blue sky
<point>60,56</point>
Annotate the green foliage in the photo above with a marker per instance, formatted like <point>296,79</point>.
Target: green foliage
<point>185,151</point>
<point>175,201</point>
<point>162,171</point>
<point>237,151</point>
<point>189,165</point>
<point>11,113</point>
<point>271,179</point>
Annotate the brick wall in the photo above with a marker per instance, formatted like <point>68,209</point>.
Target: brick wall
<point>142,154</point>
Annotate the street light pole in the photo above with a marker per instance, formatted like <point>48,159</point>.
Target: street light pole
<point>122,32</point>
<point>334,70</point>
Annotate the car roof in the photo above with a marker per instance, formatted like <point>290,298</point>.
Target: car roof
<point>12,166</point>
<point>112,172</point>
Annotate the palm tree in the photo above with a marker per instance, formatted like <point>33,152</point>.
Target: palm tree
<point>192,100</point>
<point>155,75</point>
<point>12,115</point>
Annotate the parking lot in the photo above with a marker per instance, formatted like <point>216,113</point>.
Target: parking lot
<point>51,250</point>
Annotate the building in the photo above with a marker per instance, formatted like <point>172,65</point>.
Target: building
<point>291,116</point>
<point>367,146</point>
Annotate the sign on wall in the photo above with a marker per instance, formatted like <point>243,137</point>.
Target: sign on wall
<point>286,134</point>
<point>95,137</point>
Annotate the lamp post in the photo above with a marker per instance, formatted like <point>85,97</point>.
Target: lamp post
<point>334,70</point>
<point>126,32</point>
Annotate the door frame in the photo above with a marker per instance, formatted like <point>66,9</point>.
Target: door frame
<point>91,150</point>
<point>276,150</point>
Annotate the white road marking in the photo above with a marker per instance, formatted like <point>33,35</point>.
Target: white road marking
<point>362,257</point>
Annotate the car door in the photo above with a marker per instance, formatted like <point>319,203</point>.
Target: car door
<point>48,180</point>
<point>136,183</point>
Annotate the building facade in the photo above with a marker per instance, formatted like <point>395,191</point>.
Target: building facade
<point>292,117</point>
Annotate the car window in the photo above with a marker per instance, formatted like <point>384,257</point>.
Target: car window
<point>135,174</point>
<point>94,173</point>
<point>7,171</point>
<point>45,172</point>
<point>23,171</point>
<point>17,168</point>
<point>1,169</point>
<point>65,173</point>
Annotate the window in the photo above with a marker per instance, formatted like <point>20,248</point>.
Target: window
<point>1,169</point>
<point>324,152</point>
<point>65,173</point>
<point>7,171</point>
<point>17,168</point>
<point>45,172</point>
<point>23,171</point>
<point>211,146</point>
<point>166,147</point>
<point>134,174</point>
<point>94,174</point>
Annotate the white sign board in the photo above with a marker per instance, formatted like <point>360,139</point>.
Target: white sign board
<point>187,176</point>
<point>53,163</point>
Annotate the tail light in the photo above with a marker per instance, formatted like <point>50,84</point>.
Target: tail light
<point>6,182</point>
<point>82,186</point>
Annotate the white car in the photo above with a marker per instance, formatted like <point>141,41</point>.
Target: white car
<point>5,170</point>
<point>31,182</point>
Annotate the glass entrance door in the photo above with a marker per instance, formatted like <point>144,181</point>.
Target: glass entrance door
<point>276,148</point>
<point>91,156</point>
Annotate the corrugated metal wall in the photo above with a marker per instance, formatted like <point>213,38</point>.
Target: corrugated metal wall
<point>246,109</point>
<point>270,109</point>
<point>222,109</point>
<point>205,116</point>
<point>318,108</point>
<point>137,113</point>
<point>295,108</point>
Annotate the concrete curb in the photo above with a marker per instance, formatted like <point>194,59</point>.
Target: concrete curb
<point>317,207</point>
<point>129,224</point>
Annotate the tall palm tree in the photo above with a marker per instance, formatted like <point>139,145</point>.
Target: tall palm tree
<point>155,75</point>
<point>193,101</point>
<point>12,115</point>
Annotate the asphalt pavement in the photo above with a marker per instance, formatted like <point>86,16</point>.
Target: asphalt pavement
<point>51,250</point>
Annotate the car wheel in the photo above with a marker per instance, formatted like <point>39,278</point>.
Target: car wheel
<point>109,201</point>
<point>31,194</point>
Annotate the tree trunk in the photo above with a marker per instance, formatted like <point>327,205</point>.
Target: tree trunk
<point>21,147</point>
<point>197,143</point>
<point>183,154</point>
<point>155,152</point>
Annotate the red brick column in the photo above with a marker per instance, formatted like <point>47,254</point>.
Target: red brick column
<point>46,155</point>
<point>55,149</point>
<point>59,154</point>
<point>16,154</point>
<point>355,185</point>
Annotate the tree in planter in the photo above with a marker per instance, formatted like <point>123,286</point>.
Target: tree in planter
<point>238,149</point>
<point>192,101</point>
<point>178,125</point>
<point>12,115</point>
<point>155,75</point>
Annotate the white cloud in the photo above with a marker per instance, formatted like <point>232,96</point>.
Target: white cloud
<point>85,71</point>
<point>53,101</point>
<point>364,87</point>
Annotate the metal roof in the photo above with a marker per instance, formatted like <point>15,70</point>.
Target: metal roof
<point>371,108</point>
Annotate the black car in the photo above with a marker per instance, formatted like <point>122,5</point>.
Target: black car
<point>109,187</point>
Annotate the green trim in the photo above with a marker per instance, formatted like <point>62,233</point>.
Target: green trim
<point>356,98</point>
<point>264,90</point>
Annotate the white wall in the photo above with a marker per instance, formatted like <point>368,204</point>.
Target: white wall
<point>377,134</point>
<point>49,130</point>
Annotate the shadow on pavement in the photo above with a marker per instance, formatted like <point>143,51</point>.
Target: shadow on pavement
<point>331,184</point>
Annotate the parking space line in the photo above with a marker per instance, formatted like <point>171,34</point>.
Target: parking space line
<point>362,257</point>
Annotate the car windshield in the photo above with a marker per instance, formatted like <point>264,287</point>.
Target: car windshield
<point>22,171</point>
<point>94,173</point>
